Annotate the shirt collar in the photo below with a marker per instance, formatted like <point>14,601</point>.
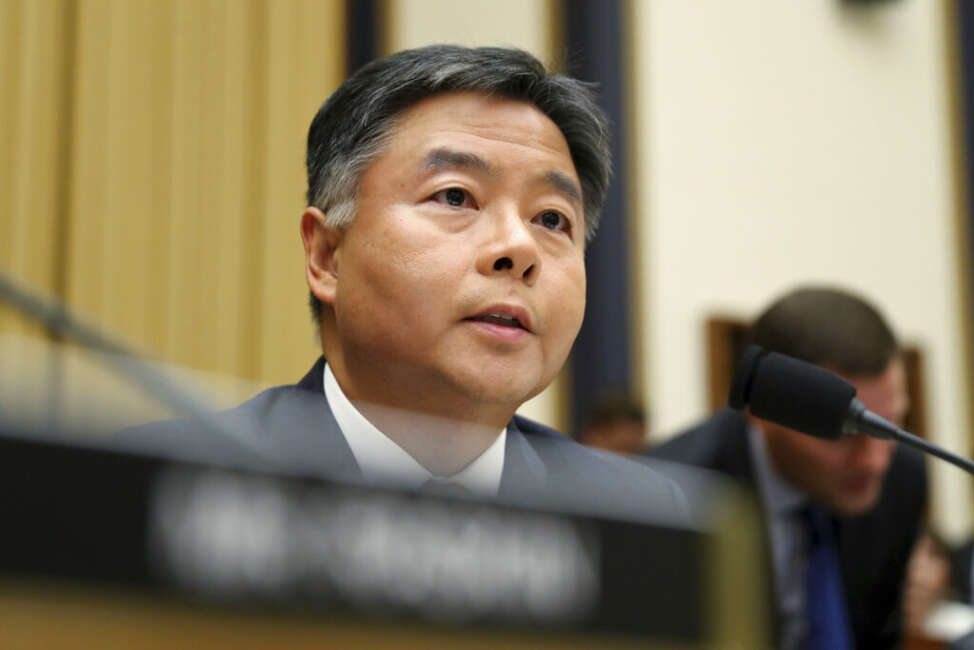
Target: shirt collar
<point>781,498</point>
<point>382,460</point>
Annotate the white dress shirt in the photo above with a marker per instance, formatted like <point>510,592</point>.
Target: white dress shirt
<point>782,504</point>
<point>382,460</point>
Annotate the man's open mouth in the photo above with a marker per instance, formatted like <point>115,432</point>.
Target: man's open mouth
<point>498,319</point>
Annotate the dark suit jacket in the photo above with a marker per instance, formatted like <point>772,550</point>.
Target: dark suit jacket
<point>291,429</point>
<point>961,563</point>
<point>874,548</point>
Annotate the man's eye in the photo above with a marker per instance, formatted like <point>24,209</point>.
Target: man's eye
<point>454,196</point>
<point>553,220</point>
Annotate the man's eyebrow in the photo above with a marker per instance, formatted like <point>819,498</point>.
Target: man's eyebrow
<point>443,157</point>
<point>564,184</point>
<point>451,158</point>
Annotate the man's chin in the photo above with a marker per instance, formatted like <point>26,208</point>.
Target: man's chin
<point>510,395</point>
<point>857,502</point>
<point>497,383</point>
<point>508,392</point>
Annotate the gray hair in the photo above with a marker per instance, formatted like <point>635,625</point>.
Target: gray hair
<point>352,127</point>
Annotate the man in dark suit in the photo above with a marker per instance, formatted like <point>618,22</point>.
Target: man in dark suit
<point>868,495</point>
<point>450,195</point>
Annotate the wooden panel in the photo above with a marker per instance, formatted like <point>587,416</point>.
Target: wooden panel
<point>916,418</point>
<point>216,131</point>
<point>188,148</point>
<point>59,617</point>
<point>191,230</point>
<point>305,54</point>
<point>36,40</point>
<point>725,338</point>
<point>121,168</point>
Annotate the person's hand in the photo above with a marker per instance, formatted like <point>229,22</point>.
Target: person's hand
<point>927,582</point>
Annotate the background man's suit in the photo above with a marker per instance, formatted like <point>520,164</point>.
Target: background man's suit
<point>292,429</point>
<point>873,548</point>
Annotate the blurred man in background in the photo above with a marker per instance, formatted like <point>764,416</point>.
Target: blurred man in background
<point>617,424</point>
<point>842,516</point>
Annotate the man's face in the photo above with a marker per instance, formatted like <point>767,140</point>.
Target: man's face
<point>846,475</point>
<point>460,286</point>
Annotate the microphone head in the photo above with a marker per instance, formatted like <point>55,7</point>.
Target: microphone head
<point>791,393</point>
<point>740,390</point>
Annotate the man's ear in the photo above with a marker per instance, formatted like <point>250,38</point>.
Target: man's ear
<point>321,244</point>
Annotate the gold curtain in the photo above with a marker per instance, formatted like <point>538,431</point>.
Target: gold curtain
<point>151,169</point>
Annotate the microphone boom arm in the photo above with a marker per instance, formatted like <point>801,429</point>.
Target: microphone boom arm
<point>862,420</point>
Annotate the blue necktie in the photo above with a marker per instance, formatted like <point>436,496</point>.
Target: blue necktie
<point>828,628</point>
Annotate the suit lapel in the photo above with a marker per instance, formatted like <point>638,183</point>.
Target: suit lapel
<point>524,473</point>
<point>314,380</point>
<point>735,457</point>
<point>307,430</point>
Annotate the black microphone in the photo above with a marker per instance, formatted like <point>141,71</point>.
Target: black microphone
<point>812,400</point>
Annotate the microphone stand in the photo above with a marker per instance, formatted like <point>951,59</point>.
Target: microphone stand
<point>54,316</point>
<point>865,421</point>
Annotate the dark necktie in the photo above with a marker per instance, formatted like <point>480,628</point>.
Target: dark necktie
<point>828,627</point>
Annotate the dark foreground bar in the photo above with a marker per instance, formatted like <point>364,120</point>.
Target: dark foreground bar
<point>91,535</point>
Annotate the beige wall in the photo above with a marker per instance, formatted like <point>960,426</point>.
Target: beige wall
<point>526,24</point>
<point>790,142</point>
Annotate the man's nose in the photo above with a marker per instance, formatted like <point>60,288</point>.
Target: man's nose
<point>511,247</point>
